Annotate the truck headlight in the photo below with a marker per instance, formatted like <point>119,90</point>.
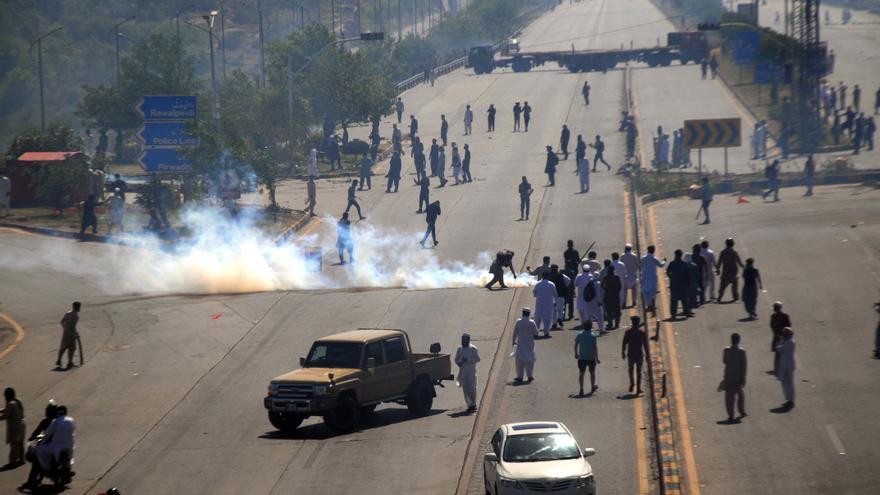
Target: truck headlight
<point>509,483</point>
<point>321,389</point>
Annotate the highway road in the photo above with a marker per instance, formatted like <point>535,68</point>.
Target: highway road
<point>179,349</point>
<point>817,255</point>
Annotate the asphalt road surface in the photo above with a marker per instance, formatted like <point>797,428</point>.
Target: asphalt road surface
<point>817,255</point>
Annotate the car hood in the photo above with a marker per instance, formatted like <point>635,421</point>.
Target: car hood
<point>316,375</point>
<point>568,468</point>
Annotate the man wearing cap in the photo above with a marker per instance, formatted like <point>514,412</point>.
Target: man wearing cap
<point>589,307</point>
<point>524,332</point>
<point>466,358</point>
<point>545,305</point>
<point>633,349</point>
<point>631,275</point>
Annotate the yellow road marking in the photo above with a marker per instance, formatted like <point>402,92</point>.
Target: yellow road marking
<point>638,406</point>
<point>687,446</point>
<point>310,227</point>
<point>19,335</point>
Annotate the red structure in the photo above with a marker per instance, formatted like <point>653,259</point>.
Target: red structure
<point>22,171</point>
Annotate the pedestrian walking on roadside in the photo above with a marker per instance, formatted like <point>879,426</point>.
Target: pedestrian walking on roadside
<point>468,120</point>
<point>550,166</point>
<point>312,196</point>
<point>334,153</point>
<point>870,129</point>
<point>809,174</point>
<point>751,284</point>
<point>713,66</point>
<point>393,175</point>
<point>517,111</point>
<point>352,200</point>
<point>634,348</point>
<point>858,135</point>
<point>585,91</point>
<point>69,335</point>
<point>456,164</point>
<point>466,165</point>
<point>431,214</point>
<point>527,115</point>
<point>586,351</point>
<point>418,155</point>
<point>709,274</point>
<point>366,172</point>
<point>735,366</point>
<point>396,138</point>
<point>5,194</point>
<point>583,173</point>
<point>434,156</point>
<point>648,269</point>
<point>785,372</point>
<point>779,321</point>
<point>525,194</point>
<point>466,358</point>
<point>631,277</point>
<point>399,107</point>
<point>490,118</point>
<point>545,305</point>
<point>525,331</point>
<point>413,127</point>
<point>13,414</point>
<point>344,241</point>
<point>877,101</point>
<point>441,165</point>
<point>589,298</point>
<point>374,145</point>
<point>444,129</point>
<point>312,165</point>
<point>841,94</point>
<point>704,67</point>
<point>679,277</point>
<point>563,140</point>
<point>728,266</point>
<point>424,193</point>
<point>611,288</point>
<point>89,219</point>
<point>707,194</point>
<point>599,146</point>
<point>857,97</point>
<point>772,174</point>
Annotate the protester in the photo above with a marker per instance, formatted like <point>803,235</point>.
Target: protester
<point>734,359</point>
<point>586,351</point>
<point>69,334</point>
<point>525,194</point>
<point>727,266</point>
<point>431,214</point>
<point>648,269</point>
<point>89,219</point>
<point>312,196</point>
<point>751,284</point>
<point>366,173</point>
<point>786,348</point>
<point>524,333</point>
<point>466,358</point>
<point>352,199</point>
<point>545,305</point>
<point>634,348</point>
<point>779,321</point>
<point>13,414</point>
<point>611,289</point>
<point>343,239</point>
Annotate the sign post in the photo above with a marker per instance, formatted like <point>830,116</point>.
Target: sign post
<point>164,132</point>
<point>712,133</point>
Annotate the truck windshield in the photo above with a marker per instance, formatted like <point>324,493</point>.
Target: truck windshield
<point>335,355</point>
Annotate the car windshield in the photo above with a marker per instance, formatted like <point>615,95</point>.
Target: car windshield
<point>335,355</point>
<point>540,447</point>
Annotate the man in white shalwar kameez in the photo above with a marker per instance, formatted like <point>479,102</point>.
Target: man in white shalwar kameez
<point>621,271</point>
<point>466,358</point>
<point>631,278</point>
<point>589,310</point>
<point>524,333</point>
<point>545,305</point>
<point>649,278</point>
<point>708,274</point>
<point>583,173</point>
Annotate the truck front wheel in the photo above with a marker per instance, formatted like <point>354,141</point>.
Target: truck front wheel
<point>345,417</point>
<point>420,397</point>
<point>286,422</point>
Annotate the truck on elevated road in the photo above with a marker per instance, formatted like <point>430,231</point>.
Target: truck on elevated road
<point>682,46</point>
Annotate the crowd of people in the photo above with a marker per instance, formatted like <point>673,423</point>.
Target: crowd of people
<point>847,116</point>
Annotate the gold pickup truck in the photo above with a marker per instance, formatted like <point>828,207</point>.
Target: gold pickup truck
<point>345,376</point>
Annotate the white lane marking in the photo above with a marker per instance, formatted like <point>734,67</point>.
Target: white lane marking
<point>835,439</point>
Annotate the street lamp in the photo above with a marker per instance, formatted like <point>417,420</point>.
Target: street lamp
<point>39,43</point>
<point>259,9</point>
<point>116,39</point>
<point>209,19</point>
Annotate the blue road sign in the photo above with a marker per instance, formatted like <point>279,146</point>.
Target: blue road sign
<point>746,47</point>
<point>163,160</point>
<point>763,73</point>
<point>168,107</point>
<point>166,134</point>
<point>712,133</point>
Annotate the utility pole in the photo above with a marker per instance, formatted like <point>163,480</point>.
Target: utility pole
<point>302,17</point>
<point>116,39</point>
<point>333,17</point>
<point>223,36</point>
<point>358,6</point>
<point>39,43</point>
<point>262,46</point>
<point>415,28</point>
<point>399,23</point>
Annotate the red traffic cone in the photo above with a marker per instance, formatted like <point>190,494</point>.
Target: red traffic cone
<point>741,199</point>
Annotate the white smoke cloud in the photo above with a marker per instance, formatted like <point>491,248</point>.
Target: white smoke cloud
<point>225,255</point>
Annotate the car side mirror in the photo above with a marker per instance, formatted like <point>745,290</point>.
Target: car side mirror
<point>371,363</point>
<point>589,452</point>
<point>302,361</point>
<point>490,457</point>
<point>435,348</point>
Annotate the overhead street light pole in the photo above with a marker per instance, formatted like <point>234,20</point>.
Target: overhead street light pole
<point>39,43</point>
<point>116,39</point>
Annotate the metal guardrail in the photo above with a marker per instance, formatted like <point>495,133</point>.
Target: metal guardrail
<point>438,71</point>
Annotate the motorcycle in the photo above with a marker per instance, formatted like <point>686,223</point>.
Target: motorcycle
<point>59,473</point>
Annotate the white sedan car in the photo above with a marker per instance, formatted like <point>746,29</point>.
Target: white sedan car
<point>537,457</point>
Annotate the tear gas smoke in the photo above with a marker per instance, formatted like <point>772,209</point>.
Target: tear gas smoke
<point>225,255</point>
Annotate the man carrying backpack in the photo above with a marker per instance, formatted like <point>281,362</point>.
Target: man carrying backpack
<point>589,298</point>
